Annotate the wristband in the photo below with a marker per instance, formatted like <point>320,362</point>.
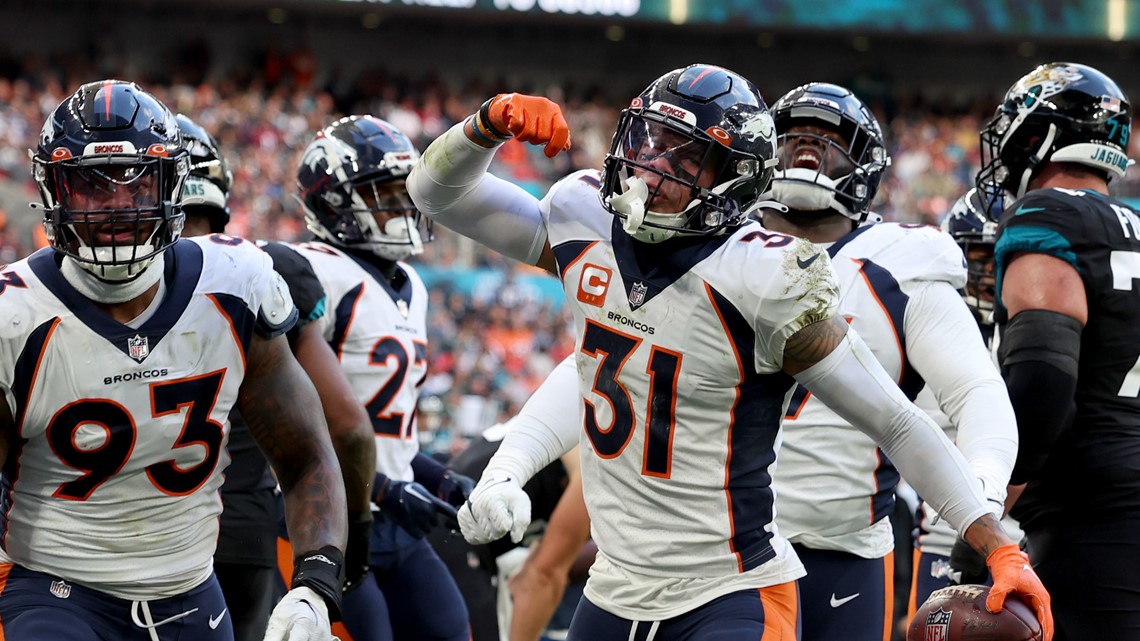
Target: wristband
<point>483,119</point>
<point>481,134</point>
<point>322,571</point>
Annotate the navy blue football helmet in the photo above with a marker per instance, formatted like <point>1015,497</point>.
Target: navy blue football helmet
<point>110,165</point>
<point>208,186</point>
<point>690,155</point>
<point>355,168</point>
<point>973,224</point>
<point>838,166</point>
<point>1060,112</point>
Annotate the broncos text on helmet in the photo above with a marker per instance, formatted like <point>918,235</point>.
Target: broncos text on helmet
<point>110,165</point>
<point>691,154</point>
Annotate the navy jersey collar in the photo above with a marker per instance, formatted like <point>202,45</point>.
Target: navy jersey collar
<point>182,273</point>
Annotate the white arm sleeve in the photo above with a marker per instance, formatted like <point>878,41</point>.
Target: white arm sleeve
<point>547,427</point>
<point>852,383</point>
<point>944,345</point>
<point>450,184</point>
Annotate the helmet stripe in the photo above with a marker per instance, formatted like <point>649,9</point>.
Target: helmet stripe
<point>107,90</point>
<point>700,76</point>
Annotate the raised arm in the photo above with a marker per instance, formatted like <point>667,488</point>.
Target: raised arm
<point>832,362</point>
<point>283,411</point>
<point>451,184</point>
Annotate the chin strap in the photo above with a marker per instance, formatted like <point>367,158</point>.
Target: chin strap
<point>111,292</point>
<point>1042,151</point>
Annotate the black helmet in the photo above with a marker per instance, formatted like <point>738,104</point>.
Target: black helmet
<point>339,183</point>
<point>835,177</point>
<point>973,224</point>
<point>208,185</point>
<point>111,156</point>
<point>713,130</point>
<point>1061,112</point>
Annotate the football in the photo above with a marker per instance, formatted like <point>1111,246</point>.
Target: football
<point>959,612</point>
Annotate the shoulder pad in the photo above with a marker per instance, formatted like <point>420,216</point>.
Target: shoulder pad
<point>304,287</point>
<point>910,252</point>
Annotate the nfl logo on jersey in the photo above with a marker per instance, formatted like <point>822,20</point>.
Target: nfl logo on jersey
<point>60,589</point>
<point>938,625</point>
<point>137,347</point>
<point>637,294</point>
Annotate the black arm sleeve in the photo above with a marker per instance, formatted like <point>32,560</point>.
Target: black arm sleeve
<point>1039,352</point>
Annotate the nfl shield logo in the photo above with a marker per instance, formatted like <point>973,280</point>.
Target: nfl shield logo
<point>137,347</point>
<point>637,294</point>
<point>938,625</point>
<point>60,589</point>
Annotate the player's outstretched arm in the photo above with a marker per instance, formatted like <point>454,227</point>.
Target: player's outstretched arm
<point>352,438</point>
<point>283,411</point>
<point>451,184</point>
<point>538,587</point>
<point>832,362</point>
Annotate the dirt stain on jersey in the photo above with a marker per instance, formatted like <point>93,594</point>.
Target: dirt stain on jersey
<point>808,277</point>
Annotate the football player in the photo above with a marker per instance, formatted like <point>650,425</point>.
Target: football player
<point>693,326</point>
<point>123,352</point>
<point>1067,258</point>
<point>246,557</point>
<point>898,287</point>
<point>351,188</point>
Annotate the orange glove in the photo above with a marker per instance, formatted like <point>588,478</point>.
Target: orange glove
<point>1011,573</point>
<point>532,119</point>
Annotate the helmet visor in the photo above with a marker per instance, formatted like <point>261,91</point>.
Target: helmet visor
<point>109,188</point>
<point>675,163</point>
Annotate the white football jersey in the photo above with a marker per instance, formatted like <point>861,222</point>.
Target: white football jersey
<point>680,370</point>
<point>112,481</point>
<point>380,336</point>
<point>834,487</point>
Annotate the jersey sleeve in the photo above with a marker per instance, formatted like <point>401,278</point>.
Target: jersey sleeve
<point>936,257</point>
<point>1046,221</point>
<point>265,290</point>
<point>562,207</point>
<point>15,318</point>
<point>801,291</point>
<point>304,287</point>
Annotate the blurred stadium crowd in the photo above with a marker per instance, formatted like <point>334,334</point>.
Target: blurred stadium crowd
<point>491,346</point>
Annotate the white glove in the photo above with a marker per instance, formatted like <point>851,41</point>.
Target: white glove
<point>300,616</point>
<point>497,506</point>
